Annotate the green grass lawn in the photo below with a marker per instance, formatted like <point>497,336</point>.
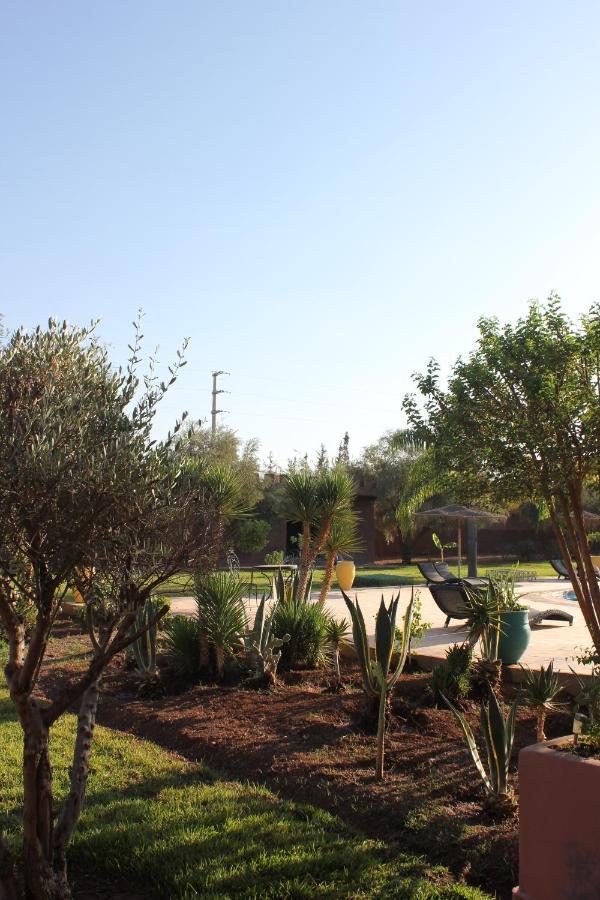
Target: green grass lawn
<point>174,830</point>
<point>387,576</point>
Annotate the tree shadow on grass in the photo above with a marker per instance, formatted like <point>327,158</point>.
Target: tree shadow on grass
<point>181,833</point>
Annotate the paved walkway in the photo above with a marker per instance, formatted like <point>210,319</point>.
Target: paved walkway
<point>553,640</point>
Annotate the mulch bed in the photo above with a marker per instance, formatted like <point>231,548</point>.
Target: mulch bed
<point>304,741</point>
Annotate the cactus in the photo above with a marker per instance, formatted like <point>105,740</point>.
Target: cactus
<point>498,733</point>
<point>378,677</point>
<point>263,649</point>
<point>144,649</point>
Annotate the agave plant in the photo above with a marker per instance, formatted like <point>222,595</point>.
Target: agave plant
<point>378,676</point>
<point>498,733</point>
<point>263,649</point>
<point>539,691</point>
<point>337,630</point>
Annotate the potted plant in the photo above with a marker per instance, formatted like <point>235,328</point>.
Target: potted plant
<point>515,633</point>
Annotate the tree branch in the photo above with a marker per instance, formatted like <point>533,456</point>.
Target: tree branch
<point>96,667</point>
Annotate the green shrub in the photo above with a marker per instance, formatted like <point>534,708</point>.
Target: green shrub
<point>274,558</point>
<point>451,678</point>
<point>253,535</point>
<point>182,646</point>
<point>306,624</point>
<point>594,541</point>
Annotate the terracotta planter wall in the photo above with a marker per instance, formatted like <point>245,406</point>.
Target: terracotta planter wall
<point>559,833</point>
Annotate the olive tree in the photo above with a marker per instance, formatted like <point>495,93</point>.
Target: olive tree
<point>520,419</point>
<point>87,498</point>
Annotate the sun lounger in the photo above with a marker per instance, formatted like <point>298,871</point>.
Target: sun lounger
<point>453,602</point>
<point>443,569</point>
<point>431,574</point>
<point>560,568</point>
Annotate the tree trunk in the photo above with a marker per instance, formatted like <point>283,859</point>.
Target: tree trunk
<point>317,546</point>
<point>304,560</point>
<point>86,721</point>
<point>8,885</point>
<point>41,882</point>
<point>327,579</point>
<point>541,719</point>
<point>584,590</point>
<point>336,659</point>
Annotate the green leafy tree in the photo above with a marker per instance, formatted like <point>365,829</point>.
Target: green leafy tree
<point>520,419</point>
<point>87,498</point>
<point>393,466</point>
<point>252,535</point>
<point>225,449</point>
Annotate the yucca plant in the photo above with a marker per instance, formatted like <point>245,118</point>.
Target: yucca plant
<point>498,733</point>
<point>378,676</point>
<point>483,622</point>
<point>221,616</point>
<point>337,631</point>
<point>316,499</point>
<point>182,645</point>
<point>539,692</point>
<point>263,649</point>
<point>343,538</point>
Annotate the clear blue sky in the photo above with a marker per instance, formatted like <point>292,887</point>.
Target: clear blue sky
<point>320,195</point>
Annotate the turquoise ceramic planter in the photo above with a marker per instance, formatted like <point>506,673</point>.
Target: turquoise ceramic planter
<point>515,635</point>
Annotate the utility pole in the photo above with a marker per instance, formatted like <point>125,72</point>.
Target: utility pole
<point>215,391</point>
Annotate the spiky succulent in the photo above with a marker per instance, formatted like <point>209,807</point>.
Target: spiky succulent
<point>377,674</point>
<point>144,648</point>
<point>263,649</point>
<point>498,733</point>
<point>539,692</point>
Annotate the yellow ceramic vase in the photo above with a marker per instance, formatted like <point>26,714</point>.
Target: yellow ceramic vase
<point>345,572</point>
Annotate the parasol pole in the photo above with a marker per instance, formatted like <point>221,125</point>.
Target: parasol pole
<point>459,544</point>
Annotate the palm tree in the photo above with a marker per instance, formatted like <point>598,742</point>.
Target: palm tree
<point>337,630</point>
<point>221,488</point>
<point>540,690</point>
<point>302,505</point>
<point>315,499</point>
<point>424,481</point>
<point>343,538</point>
